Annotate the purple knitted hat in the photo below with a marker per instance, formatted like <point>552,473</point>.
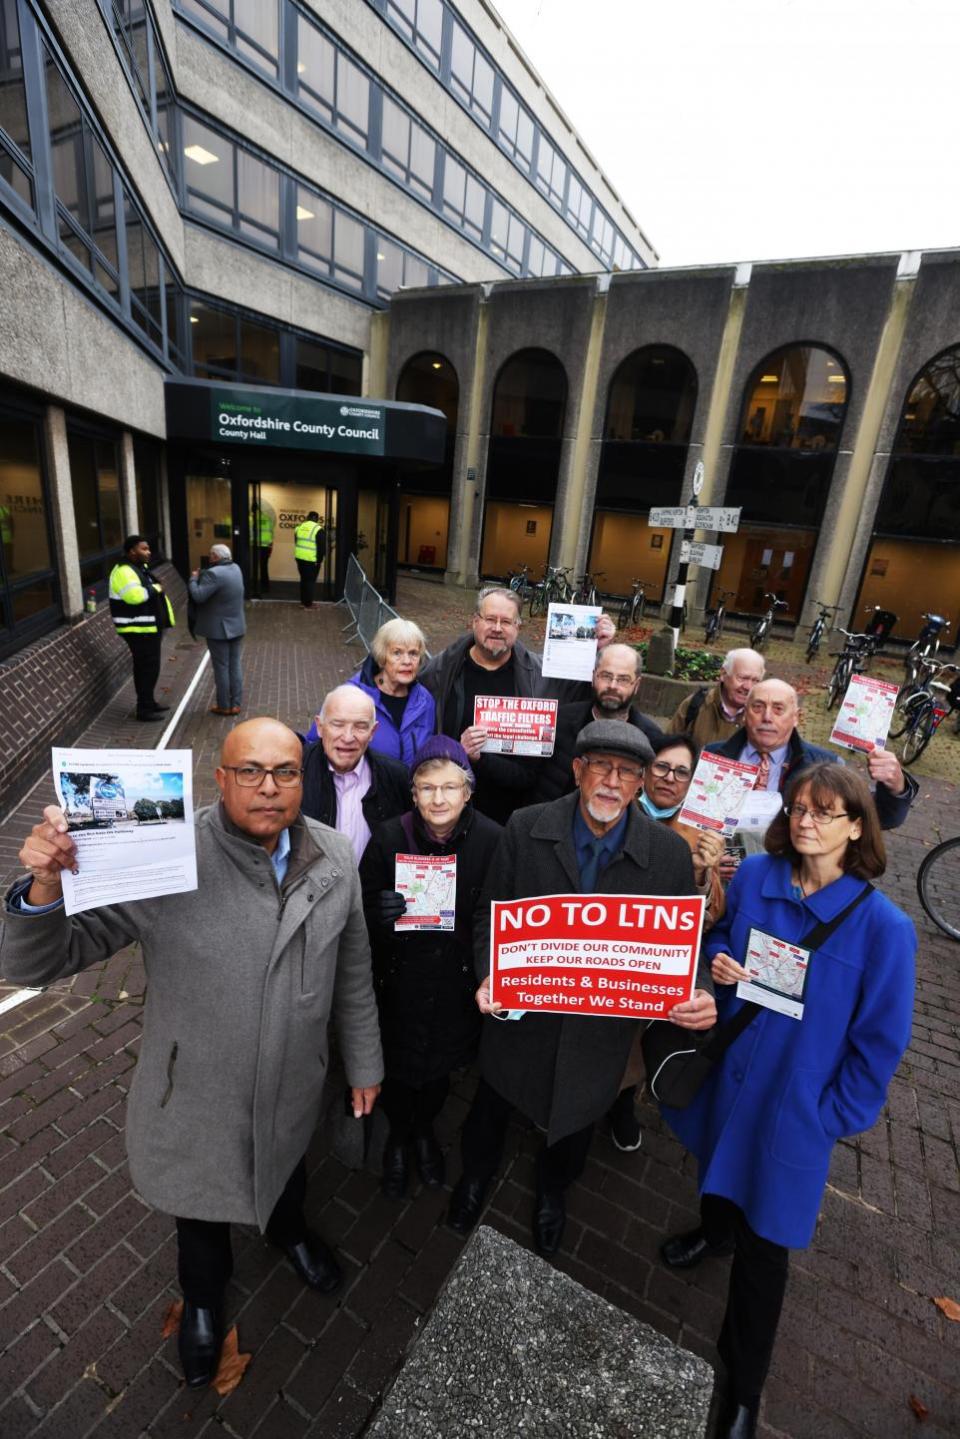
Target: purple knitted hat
<point>441,746</point>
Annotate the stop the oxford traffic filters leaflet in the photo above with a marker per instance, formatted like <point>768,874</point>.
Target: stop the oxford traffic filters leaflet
<point>619,956</point>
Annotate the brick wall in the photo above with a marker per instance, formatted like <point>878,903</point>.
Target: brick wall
<point>50,691</point>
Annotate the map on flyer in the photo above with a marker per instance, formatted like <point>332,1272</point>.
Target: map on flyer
<point>863,719</point>
<point>717,793</point>
<point>516,726</point>
<point>428,882</point>
<point>779,973</point>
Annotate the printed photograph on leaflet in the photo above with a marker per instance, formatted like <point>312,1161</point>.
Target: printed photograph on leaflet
<point>863,719</point>
<point>612,955</point>
<point>130,814</point>
<point>516,726</point>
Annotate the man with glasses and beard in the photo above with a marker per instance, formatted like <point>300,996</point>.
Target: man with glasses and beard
<point>564,1071</point>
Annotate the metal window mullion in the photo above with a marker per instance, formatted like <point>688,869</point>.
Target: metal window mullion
<point>374,143</point>
<point>446,46</point>
<point>120,226</point>
<point>151,72</point>
<point>370,239</point>
<point>41,154</point>
<point>439,160</point>
<point>289,48</point>
<point>289,247</point>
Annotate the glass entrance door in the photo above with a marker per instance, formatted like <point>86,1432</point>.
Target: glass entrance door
<point>276,509</point>
<point>209,517</point>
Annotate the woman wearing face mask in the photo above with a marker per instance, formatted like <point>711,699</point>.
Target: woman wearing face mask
<point>425,984</point>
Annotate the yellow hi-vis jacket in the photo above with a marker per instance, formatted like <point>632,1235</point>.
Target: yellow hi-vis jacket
<point>137,603</point>
<point>305,541</point>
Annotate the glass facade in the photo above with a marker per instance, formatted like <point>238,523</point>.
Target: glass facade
<point>141,50</point>
<point>232,344</point>
<point>97,510</point>
<point>29,593</point>
<point>428,379</point>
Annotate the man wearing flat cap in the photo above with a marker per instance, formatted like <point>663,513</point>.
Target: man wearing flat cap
<point>564,1071</point>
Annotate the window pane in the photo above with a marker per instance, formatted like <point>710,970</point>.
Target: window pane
<point>13,101</point>
<point>83,483</point>
<point>796,401</point>
<point>256,20</point>
<point>259,352</point>
<point>213,337</point>
<point>312,366</point>
<point>66,143</point>
<point>389,267</point>
<point>146,465</point>
<point>931,415</point>
<point>353,99</point>
<point>206,14</point>
<point>423,152</point>
<point>461,62</point>
<point>316,69</point>
<point>23,526</point>
<point>314,227</point>
<point>396,137</point>
<point>346,372</point>
<point>208,163</point>
<point>32,599</point>
<point>258,198</point>
<point>415,272</point>
<point>108,488</point>
<point>348,250</point>
<point>483,86</point>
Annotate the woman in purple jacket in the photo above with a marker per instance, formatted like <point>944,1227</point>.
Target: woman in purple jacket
<point>811,1066</point>
<point>406,715</point>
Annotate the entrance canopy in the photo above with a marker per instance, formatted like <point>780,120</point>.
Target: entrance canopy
<point>257,417</point>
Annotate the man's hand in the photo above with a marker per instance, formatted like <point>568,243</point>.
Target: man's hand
<point>700,1012</point>
<point>193,574</point>
<point>605,632</point>
<point>47,852</point>
<point>472,740</point>
<point>707,855</point>
<point>483,999</point>
<point>726,970</point>
<point>364,1099</point>
<point>885,769</point>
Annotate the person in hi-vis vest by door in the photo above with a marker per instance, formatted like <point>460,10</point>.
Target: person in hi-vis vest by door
<point>141,612</point>
<point>309,547</point>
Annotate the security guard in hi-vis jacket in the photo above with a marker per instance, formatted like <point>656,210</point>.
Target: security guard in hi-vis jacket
<point>141,611</point>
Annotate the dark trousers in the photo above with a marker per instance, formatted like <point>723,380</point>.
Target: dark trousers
<point>412,1109</point>
<point>265,552</point>
<point>227,675</point>
<point>758,1281</point>
<point>309,569</point>
<point>481,1145</point>
<point>145,651</point>
<point>204,1254</point>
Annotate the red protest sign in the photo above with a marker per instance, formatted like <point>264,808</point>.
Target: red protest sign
<point>613,955</point>
<point>516,726</point>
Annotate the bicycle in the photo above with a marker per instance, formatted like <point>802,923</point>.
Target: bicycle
<point>820,628</point>
<point>938,885</point>
<point>924,714</point>
<point>631,611</point>
<point>585,592</point>
<point>924,672</point>
<point>856,654</point>
<point>518,580</point>
<point>761,630</point>
<point>553,589</point>
<point>924,647</point>
<point>713,628</point>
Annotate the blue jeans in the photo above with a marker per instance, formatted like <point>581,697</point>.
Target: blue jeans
<point>225,658</point>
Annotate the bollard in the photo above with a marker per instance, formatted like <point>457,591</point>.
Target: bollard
<point>660,652</point>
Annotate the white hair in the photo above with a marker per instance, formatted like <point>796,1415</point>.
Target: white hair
<point>731,657</point>
<point>348,691</point>
<point>222,552</point>
<point>396,632</point>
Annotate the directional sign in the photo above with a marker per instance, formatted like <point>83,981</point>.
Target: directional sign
<point>707,556</point>
<point>716,517</point>
<point>677,517</point>
<point>698,478</point>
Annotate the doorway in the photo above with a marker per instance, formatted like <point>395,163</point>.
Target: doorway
<point>275,509</point>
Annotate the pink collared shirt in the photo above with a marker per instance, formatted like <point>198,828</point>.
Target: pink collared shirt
<point>351,787</point>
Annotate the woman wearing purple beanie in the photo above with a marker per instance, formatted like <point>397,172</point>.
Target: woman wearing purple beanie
<point>424,979</point>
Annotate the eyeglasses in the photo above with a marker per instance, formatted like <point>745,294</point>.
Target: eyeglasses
<point>819,816</point>
<point>626,773</point>
<point>359,727</point>
<point>664,771</point>
<point>250,776</point>
<point>504,623</point>
<point>450,790</point>
<point>607,678</point>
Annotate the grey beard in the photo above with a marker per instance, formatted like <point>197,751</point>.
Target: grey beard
<point>611,706</point>
<point>604,818</point>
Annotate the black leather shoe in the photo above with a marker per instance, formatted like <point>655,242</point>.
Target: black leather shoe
<point>393,1182</point>
<point>160,709</point>
<point>429,1156</point>
<point>154,717</point>
<point>738,1421</point>
<point>685,1251</point>
<point>314,1262</point>
<point>549,1218</point>
<point>466,1203</point>
<point>199,1342</point>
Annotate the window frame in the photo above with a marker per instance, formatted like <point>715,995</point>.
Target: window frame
<point>107,555</point>
<point>14,635</point>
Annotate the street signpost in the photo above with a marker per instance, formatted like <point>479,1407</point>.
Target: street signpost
<point>719,518</point>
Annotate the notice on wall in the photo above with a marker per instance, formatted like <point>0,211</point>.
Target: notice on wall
<point>516,726</point>
<point>863,720</point>
<point>428,882</point>
<point>616,956</point>
<point>717,793</point>
<point>130,815</point>
<point>570,647</point>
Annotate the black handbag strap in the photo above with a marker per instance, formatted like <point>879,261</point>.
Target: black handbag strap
<point>721,1040</point>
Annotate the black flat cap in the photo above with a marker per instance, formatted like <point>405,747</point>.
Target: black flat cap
<point>614,737</point>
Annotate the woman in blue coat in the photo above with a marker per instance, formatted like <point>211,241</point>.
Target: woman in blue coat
<point>789,1086</point>
<point>406,714</point>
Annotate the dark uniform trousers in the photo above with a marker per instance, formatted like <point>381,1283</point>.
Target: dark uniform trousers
<point>309,569</point>
<point>758,1281</point>
<point>481,1145</point>
<point>145,652</point>
<point>204,1253</point>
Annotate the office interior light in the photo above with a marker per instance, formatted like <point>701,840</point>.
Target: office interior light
<point>769,379</point>
<point>304,214</point>
<point>200,156</point>
<point>836,379</point>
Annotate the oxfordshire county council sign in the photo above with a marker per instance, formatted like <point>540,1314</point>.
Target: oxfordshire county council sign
<point>298,424</point>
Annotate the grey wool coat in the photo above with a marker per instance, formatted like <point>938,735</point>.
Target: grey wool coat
<point>242,979</point>
<point>564,1071</point>
<point>217,593</point>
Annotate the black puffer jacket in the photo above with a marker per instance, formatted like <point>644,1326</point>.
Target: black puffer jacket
<point>425,984</point>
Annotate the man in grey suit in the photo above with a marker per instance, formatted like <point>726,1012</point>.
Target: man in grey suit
<point>217,593</point>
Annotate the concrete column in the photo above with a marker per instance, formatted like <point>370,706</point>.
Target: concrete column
<point>460,570</point>
<point>64,519</point>
<point>128,485</point>
<point>374,380</point>
<point>165,506</point>
<point>568,541</point>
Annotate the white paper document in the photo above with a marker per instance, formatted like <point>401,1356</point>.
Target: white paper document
<point>570,647</point>
<point>759,809</point>
<point>130,815</point>
<point>778,973</point>
<point>428,882</point>
<point>717,793</point>
<point>864,717</point>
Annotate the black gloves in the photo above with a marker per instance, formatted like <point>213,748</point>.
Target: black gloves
<point>388,905</point>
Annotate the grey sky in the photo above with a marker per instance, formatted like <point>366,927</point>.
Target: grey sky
<point>762,129</point>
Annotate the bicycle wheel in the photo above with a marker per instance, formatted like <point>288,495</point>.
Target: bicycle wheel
<point>538,601</point>
<point>919,735</point>
<point>902,712</point>
<point>813,644</point>
<point>625,618</point>
<point>938,885</point>
<point>758,636</point>
<point>710,629</point>
<point>839,680</point>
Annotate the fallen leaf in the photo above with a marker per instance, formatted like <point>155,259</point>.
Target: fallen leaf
<point>949,1307</point>
<point>919,1408</point>
<point>171,1320</point>
<point>233,1364</point>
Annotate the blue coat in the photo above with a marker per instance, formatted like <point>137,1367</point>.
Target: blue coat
<point>765,1123</point>
<point>419,717</point>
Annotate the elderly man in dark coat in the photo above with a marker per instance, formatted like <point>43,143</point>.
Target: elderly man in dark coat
<point>217,595</point>
<point>243,975</point>
<point>564,1071</point>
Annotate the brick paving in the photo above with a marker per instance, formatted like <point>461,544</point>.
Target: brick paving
<point>87,1270</point>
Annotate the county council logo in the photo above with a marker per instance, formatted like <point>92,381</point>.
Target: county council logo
<point>344,409</point>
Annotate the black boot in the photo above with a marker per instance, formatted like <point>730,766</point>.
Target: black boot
<point>738,1420</point>
<point>685,1251</point>
<point>429,1157</point>
<point>549,1218</point>
<point>393,1182</point>
<point>199,1342</point>
<point>466,1203</point>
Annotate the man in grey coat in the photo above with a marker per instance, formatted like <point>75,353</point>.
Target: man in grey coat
<point>243,974</point>
<point>564,1071</point>
<point>217,593</point>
